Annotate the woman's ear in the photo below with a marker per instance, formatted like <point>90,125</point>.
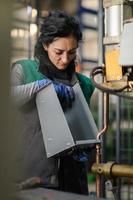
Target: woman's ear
<point>45,47</point>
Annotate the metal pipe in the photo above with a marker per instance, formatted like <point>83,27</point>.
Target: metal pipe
<point>122,170</point>
<point>106,115</point>
<point>111,169</point>
<point>118,134</point>
<point>98,177</point>
<point>98,146</point>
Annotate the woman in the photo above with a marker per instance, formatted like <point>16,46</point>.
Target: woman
<point>55,54</point>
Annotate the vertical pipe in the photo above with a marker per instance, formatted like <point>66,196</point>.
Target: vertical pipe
<point>98,177</point>
<point>100,33</point>
<point>98,146</point>
<point>118,113</point>
<point>100,94</point>
<point>118,121</point>
<point>100,62</point>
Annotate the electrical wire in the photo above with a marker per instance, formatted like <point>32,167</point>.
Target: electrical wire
<point>117,92</point>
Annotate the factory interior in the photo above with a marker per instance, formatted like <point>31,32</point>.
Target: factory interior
<point>105,55</point>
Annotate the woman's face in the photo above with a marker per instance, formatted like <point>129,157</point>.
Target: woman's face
<point>62,51</point>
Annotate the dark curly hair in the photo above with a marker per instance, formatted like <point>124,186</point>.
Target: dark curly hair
<point>56,24</point>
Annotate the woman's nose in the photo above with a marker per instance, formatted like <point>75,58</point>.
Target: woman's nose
<point>65,58</point>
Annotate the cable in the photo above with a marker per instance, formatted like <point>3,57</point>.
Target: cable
<point>100,70</point>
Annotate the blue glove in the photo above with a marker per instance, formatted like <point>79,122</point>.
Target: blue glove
<point>42,83</point>
<point>81,155</point>
<point>65,94</point>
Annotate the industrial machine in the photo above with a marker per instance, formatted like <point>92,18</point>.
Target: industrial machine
<point>117,71</point>
<point>116,77</point>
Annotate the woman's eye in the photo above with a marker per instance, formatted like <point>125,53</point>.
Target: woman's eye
<point>58,53</point>
<point>72,52</point>
<point>69,53</point>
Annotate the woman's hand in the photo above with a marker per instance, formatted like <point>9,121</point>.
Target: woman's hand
<point>65,93</point>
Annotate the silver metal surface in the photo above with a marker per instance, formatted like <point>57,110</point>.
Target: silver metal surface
<point>56,134</point>
<point>80,120</point>
<point>113,20</point>
<point>126,44</point>
<point>61,130</point>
